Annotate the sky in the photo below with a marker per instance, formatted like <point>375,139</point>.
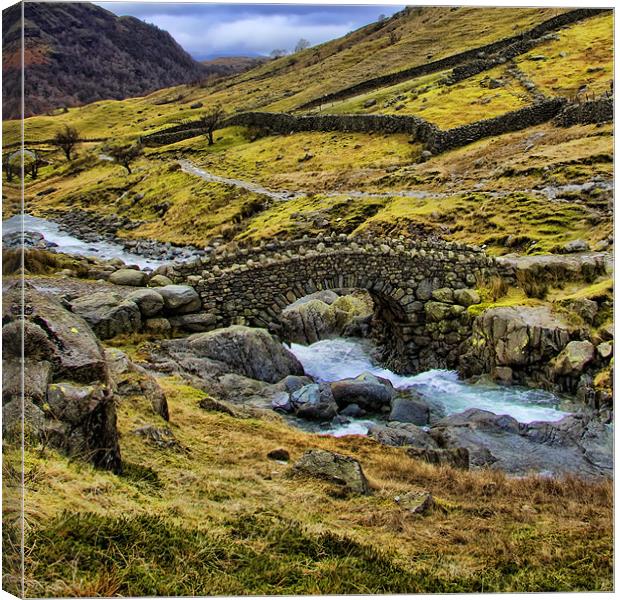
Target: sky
<point>210,30</point>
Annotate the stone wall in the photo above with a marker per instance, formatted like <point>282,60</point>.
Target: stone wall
<point>436,140</point>
<point>419,321</point>
<point>283,123</point>
<point>455,59</point>
<point>512,121</point>
<point>595,111</point>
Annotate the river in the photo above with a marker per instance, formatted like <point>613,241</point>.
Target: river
<point>330,360</point>
<point>72,245</point>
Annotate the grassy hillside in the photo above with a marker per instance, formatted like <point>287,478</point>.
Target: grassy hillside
<point>213,515</point>
<point>334,175</point>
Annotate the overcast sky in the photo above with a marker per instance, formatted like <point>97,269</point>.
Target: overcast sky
<point>209,30</point>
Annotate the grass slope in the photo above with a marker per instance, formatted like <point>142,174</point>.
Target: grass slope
<point>215,516</point>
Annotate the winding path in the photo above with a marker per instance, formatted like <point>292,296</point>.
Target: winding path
<point>550,192</point>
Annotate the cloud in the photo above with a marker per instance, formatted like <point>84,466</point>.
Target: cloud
<point>207,30</point>
<point>258,34</point>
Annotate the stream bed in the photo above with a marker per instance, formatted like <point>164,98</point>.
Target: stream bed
<point>334,359</point>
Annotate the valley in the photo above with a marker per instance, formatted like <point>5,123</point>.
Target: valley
<point>360,341</point>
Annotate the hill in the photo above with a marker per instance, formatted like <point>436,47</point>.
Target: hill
<point>77,53</point>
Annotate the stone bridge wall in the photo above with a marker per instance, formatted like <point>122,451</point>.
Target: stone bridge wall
<point>456,59</point>
<point>417,326</point>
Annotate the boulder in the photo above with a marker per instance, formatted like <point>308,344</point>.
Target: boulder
<point>246,351</point>
<point>338,469</point>
<point>180,299</point>
<point>574,358</point>
<point>68,399</point>
<point>322,315</point>
<point>130,277</point>
<point>149,302</point>
<point>576,246</point>
<point>159,280</point>
<point>314,402</point>
<point>194,323</point>
<point>131,380</point>
<point>108,314</point>
<point>366,390</point>
<point>410,410</point>
<point>519,337</point>
<point>466,297</point>
<point>416,503</point>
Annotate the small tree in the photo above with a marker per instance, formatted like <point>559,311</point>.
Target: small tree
<point>125,154</point>
<point>32,163</point>
<point>302,44</point>
<point>67,139</point>
<point>277,53</point>
<point>210,121</point>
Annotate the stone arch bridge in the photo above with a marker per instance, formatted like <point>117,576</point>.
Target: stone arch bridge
<point>420,288</point>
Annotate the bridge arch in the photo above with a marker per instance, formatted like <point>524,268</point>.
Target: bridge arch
<point>417,319</point>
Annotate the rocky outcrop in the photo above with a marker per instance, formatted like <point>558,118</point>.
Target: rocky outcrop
<point>575,444</point>
<point>68,396</point>
<point>537,347</point>
<point>518,340</point>
<point>343,471</point>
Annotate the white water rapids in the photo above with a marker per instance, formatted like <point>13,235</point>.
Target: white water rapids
<point>330,360</point>
<point>72,245</point>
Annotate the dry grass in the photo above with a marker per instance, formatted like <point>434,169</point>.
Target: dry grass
<point>490,530</point>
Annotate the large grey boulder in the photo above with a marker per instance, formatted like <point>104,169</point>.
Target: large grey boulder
<point>343,471</point>
<point>180,299</point>
<point>247,351</point>
<point>68,400</point>
<point>149,301</point>
<point>131,277</point>
<point>323,315</point>
<point>410,410</point>
<point>366,390</point>
<point>315,402</point>
<point>108,314</point>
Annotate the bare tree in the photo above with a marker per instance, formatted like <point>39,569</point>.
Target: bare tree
<point>33,163</point>
<point>302,44</point>
<point>278,53</point>
<point>210,121</point>
<point>67,139</point>
<point>125,154</point>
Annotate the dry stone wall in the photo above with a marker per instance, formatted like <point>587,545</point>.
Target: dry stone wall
<point>456,59</point>
<point>418,320</point>
<point>595,111</point>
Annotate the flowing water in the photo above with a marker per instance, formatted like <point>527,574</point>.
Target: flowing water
<point>72,245</point>
<point>330,360</point>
